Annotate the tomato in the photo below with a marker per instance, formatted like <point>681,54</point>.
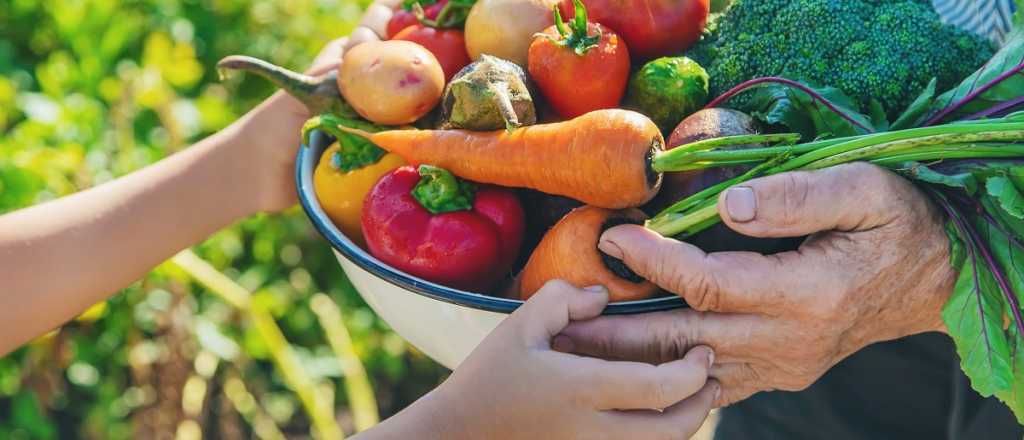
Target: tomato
<point>651,28</point>
<point>447,45</point>
<point>580,74</point>
<point>403,18</point>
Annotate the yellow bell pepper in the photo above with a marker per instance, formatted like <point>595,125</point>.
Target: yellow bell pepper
<point>341,193</point>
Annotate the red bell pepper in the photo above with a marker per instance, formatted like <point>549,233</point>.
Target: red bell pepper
<point>432,225</point>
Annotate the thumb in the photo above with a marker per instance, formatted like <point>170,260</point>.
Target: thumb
<point>846,197</point>
<point>552,309</point>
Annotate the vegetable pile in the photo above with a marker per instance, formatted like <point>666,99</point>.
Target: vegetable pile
<point>488,144</point>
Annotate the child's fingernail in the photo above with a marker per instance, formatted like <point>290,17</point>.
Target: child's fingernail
<point>741,204</point>
<point>596,289</point>
<point>711,357</point>
<point>718,391</point>
<point>562,344</point>
<point>610,249</point>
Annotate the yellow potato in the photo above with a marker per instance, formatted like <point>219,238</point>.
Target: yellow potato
<point>505,28</point>
<point>391,82</point>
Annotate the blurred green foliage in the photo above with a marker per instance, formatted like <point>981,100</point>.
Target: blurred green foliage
<point>93,89</point>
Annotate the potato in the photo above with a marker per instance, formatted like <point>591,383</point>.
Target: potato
<point>505,28</point>
<point>391,82</point>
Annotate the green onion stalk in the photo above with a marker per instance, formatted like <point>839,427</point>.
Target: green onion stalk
<point>988,139</point>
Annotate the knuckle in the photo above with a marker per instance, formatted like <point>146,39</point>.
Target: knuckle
<point>700,291</point>
<point>670,343</point>
<point>660,393</point>
<point>796,190</point>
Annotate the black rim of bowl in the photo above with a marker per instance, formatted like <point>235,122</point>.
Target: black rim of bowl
<point>306,163</point>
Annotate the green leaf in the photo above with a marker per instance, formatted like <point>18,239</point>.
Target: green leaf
<point>1014,397</point>
<point>27,414</point>
<point>1008,58</point>
<point>1008,195</point>
<point>915,113</point>
<point>920,172</point>
<point>974,317</point>
<point>780,104</point>
<point>879,119</point>
<point>1009,253</point>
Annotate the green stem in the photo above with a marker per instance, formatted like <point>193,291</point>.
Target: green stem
<point>357,383</point>
<point>1006,151</point>
<point>320,411</point>
<point>674,225</point>
<point>439,191</point>
<point>576,35</point>
<point>954,141</point>
<point>712,191</point>
<point>672,159</point>
<point>354,152</point>
<point>895,136</point>
<point>319,94</point>
<point>900,146</point>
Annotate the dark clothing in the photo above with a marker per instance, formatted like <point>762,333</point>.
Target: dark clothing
<point>907,389</point>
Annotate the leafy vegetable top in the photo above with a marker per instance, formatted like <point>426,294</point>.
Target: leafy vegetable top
<point>870,50</point>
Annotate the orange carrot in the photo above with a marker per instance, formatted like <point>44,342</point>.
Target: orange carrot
<point>602,158</point>
<point>569,252</point>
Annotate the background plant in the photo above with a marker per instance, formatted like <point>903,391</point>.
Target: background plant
<point>93,89</point>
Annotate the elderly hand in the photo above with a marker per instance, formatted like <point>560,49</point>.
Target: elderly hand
<point>876,268</point>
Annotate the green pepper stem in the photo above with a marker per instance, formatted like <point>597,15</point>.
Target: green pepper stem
<point>355,152</point>
<point>439,191</point>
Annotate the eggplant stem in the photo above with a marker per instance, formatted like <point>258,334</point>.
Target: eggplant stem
<point>319,94</point>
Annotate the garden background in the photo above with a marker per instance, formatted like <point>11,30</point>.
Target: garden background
<point>244,337</point>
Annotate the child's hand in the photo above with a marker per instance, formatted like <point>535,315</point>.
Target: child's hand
<point>515,386</point>
<point>271,131</point>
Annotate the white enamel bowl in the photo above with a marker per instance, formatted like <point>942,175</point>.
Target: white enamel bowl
<point>446,324</point>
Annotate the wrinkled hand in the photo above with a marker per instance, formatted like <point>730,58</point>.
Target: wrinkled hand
<point>272,130</point>
<point>876,268</point>
<point>514,386</point>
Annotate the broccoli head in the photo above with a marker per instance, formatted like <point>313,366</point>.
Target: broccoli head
<point>883,50</point>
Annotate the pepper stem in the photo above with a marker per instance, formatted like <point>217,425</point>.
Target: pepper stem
<point>576,35</point>
<point>355,152</point>
<point>439,191</point>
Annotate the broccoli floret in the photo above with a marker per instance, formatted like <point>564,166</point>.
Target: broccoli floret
<point>883,50</point>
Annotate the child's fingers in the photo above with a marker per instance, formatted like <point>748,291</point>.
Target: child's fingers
<point>553,307</point>
<point>360,35</point>
<point>376,18</point>
<point>329,57</point>
<point>681,421</point>
<point>686,417</point>
<point>634,385</point>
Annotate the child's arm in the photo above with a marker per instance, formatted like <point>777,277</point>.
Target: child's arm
<point>58,258</point>
<point>515,386</point>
